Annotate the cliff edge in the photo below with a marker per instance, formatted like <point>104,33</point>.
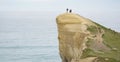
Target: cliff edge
<point>82,40</point>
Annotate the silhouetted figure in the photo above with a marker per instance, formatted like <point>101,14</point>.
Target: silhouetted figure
<point>70,11</point>
<point>67,9</point>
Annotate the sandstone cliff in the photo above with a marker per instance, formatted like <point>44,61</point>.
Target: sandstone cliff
<point>82,40</point>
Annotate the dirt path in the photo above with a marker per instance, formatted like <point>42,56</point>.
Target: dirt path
<point>98,41</point>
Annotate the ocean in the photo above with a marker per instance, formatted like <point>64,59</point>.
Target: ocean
<point>31,36</point>
<point>28,37</point>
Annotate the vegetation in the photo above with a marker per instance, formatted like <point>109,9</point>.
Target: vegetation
<point>111,39</point>
<point>92,29</point>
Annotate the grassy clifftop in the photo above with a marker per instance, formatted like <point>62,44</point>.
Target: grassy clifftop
<point>82,40</point>
<point>110,38</point>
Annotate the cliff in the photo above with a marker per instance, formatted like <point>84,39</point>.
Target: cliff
<point>82,40</point>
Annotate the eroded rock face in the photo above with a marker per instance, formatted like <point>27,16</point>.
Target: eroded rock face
<point>76,36</point>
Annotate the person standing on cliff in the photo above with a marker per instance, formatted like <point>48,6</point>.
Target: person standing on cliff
<point>67,9</point>
<point>70,10</point>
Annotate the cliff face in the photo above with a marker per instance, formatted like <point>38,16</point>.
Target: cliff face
<point>82,40</point>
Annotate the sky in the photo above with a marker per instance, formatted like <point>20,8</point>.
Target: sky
<point>105,12</point>
<point>47,5</point>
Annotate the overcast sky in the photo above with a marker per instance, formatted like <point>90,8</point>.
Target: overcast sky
<point>46,5</point>
<point>106,12</point>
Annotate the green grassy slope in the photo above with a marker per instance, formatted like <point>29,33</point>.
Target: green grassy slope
<point>110,39</point>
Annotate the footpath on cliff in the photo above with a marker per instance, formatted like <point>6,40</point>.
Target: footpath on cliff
<point>82,40</point>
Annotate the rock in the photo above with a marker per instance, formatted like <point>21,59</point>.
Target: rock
<point>82,40</point>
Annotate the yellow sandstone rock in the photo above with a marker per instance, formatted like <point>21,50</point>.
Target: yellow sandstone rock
<point>72,36</point>
<point>76,34</point>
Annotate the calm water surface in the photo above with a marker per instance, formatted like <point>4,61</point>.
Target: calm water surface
<point>28,37</point>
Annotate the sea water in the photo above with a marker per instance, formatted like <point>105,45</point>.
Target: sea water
<point>28,37</point>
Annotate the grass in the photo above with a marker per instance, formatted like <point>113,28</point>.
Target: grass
<point>92,29</point>
<point>101,56</point>
<point>111,39</point>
